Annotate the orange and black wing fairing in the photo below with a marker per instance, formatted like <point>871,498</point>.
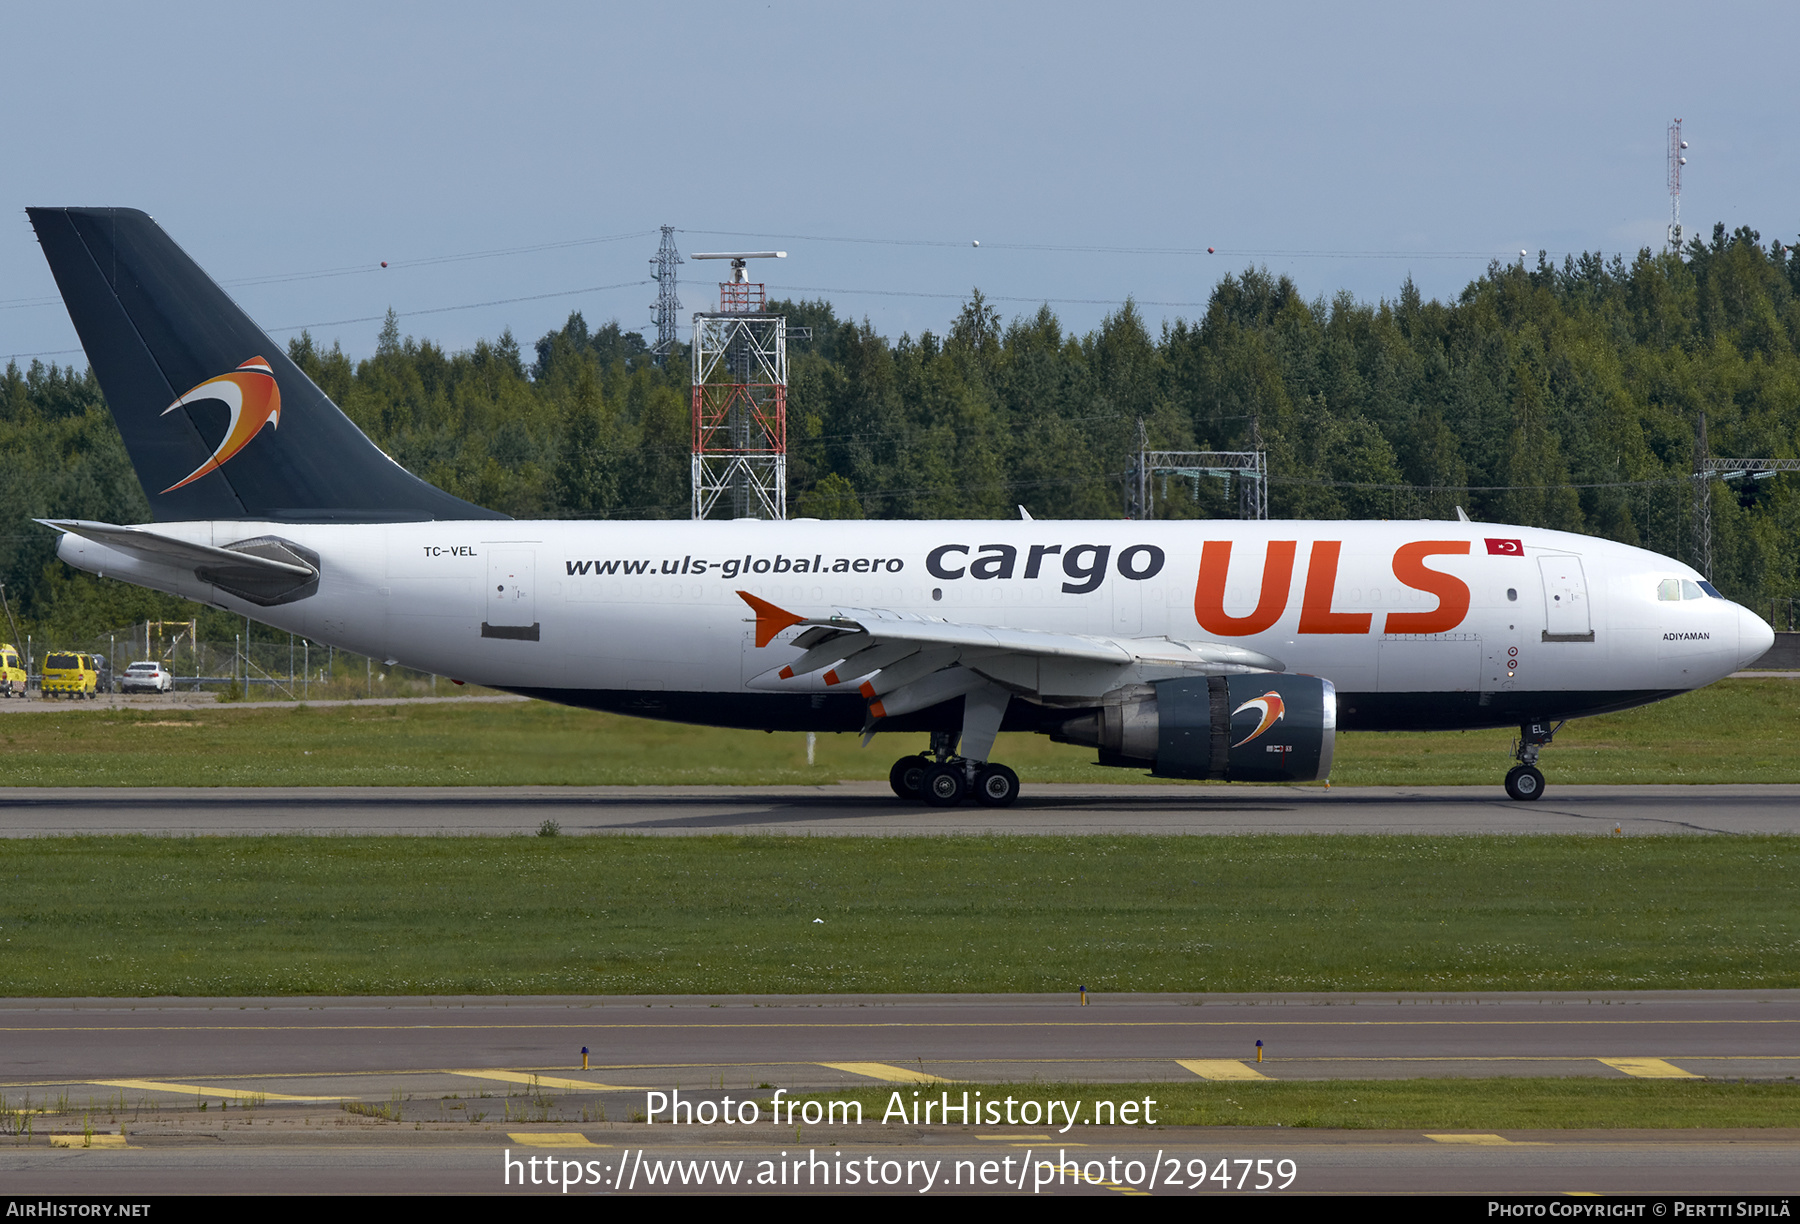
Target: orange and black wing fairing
<point>219,423</point>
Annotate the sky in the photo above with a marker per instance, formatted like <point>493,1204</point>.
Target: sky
<point>513,163</point>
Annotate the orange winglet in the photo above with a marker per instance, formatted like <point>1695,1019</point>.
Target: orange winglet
<point>868,690</point>
<point>831,677</point>
<point>876,710</point>
<point>786,673</point>
<point>770,620</point>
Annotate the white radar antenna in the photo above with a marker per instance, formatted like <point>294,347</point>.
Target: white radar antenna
<point>739,274</point>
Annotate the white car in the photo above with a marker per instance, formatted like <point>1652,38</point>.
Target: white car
<point>147,678</point>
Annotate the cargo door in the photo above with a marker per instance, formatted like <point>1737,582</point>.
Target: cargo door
<point>1429,663</point>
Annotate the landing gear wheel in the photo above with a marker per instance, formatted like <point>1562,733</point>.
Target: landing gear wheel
<point>907,775</point>
<point>996,786</point>
<point>1524,782</point>
<point>944,785</point>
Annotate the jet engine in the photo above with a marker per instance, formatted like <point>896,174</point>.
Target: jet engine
<point>1254,728</point>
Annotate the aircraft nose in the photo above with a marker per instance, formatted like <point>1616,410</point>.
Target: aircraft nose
<point>1754,637</point>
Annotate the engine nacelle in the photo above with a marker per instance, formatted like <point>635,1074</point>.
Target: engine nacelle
<point>1255,728</point>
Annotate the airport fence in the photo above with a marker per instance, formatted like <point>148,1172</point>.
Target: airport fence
<point>290,669</point>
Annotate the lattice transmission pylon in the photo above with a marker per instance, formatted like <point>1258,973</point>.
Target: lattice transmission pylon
<point>668,303</point>
<point>740,374</point>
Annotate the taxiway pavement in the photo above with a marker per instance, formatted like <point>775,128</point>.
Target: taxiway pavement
<point>870,809</point>
<point>436,1095</point>
<point>325,1048</point>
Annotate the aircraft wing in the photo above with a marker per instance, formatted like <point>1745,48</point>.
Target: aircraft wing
<point>265,570</point>
<point>906,662</point>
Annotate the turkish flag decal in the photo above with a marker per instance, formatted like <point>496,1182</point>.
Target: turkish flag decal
<point>1505,548</point>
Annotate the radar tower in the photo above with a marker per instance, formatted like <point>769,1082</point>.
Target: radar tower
<point>740,374</point>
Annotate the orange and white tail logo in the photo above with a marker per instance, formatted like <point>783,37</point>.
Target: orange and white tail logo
<point>1272,708</point>
<point>254,399</point>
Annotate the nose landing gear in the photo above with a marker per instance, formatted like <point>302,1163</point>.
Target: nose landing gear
<point>943,779</point>
<point>1525,781</point>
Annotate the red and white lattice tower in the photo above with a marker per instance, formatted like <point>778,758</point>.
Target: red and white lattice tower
<point>740,399</point>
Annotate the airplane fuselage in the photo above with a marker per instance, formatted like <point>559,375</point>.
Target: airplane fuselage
<point>1419,625</point>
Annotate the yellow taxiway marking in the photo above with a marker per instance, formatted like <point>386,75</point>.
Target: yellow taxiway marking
<point>1649,1068</point>
<point>569,1140</point>
<point>1475,1140</point>
<point>233,1094</point>
<point>546,1081</point>
<point>88,1141</point>
<point>1221,1069</point>
<point>888,1072</point>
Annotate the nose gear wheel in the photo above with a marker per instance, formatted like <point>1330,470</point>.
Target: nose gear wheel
<point>1524,782</point>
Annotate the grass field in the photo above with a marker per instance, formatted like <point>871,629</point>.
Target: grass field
<point>1734,731</point>
<point>132,916</point>
<point>1419,1104</point>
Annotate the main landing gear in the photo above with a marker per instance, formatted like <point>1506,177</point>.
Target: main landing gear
<point>1525,780</point>
<point>943,779</point>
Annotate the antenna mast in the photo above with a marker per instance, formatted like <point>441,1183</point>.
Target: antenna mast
<point>1677,159</point>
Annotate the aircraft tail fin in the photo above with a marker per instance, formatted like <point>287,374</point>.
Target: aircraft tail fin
<point>218,422</point>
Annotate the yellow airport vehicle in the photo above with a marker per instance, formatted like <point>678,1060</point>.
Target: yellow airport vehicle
<point>12,671</point>
<point>70,673</point>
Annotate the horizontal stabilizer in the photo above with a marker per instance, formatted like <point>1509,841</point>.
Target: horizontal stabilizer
<point>265,570</point>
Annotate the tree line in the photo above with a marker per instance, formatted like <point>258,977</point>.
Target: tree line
<point>1557,395</point>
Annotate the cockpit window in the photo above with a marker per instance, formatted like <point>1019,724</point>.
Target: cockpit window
<point>1670,589</point>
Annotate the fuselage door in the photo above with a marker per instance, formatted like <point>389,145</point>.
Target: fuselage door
<point>511,591</point>
<point>1566,616</point>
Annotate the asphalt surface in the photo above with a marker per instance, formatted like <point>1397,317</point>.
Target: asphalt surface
<point>307,1046</point>
<point>476,1080</point>
<point>870,809</point>
<point>363,1157</point>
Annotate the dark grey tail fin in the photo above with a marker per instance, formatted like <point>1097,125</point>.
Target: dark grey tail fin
<point>218,422</point>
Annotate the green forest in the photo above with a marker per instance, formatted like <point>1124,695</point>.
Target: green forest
<point>1569,396</point>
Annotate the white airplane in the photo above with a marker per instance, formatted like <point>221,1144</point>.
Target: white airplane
<point>1225,650</point>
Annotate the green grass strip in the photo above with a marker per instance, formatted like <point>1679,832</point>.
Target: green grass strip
<point>132,916</point>
<point>1487,1104</point>
<point>1734,731</point>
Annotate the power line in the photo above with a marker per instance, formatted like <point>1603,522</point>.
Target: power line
<point>364,269</point>
<point>1227,252</point>
<point>433,260</point>
<point>402,314</point>
<point>985,297</point>
<point>406,314</point>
